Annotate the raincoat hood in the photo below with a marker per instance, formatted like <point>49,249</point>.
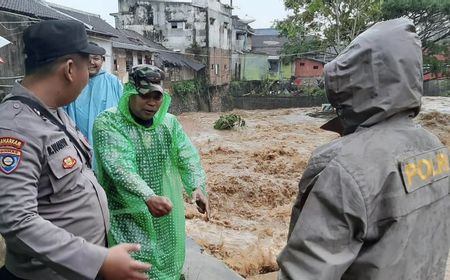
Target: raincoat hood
<point>377,76</point>
<point>158,118</point>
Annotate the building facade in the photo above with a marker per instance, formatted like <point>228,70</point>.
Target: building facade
<point>202,28</point>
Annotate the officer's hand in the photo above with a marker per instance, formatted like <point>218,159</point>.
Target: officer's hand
<point>159,206</point>
<point>118,264</point>
<point>202,202</point>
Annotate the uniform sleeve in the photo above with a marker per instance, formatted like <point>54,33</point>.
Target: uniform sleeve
<point>24,230</point>
<point>116,155</point>
<point>188,161</point>
<point>328,233</point>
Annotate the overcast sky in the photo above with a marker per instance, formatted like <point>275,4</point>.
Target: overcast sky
<point>263,11</point>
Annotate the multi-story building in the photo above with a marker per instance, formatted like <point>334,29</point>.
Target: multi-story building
<point>202,28</point>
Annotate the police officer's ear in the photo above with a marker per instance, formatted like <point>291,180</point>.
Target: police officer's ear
<point>69,69</point>
<point>75,65</point>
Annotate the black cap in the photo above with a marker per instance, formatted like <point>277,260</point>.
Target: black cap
<point>95,44</point>
<point>51,39</point>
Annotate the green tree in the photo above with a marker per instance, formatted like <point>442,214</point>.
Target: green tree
<point>431,17</point>
<point>432,20</point>
<point>335,22</point>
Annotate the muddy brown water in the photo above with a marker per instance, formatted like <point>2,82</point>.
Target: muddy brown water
<point>253,174</point>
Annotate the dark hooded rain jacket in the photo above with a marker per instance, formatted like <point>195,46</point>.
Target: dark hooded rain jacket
<point>374,203</point>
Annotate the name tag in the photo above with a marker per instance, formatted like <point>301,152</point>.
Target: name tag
<point>421,170</point>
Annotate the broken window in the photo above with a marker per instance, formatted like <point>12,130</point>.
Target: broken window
<point>212,20</point>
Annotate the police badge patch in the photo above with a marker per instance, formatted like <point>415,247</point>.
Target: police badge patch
<point>10,154</point>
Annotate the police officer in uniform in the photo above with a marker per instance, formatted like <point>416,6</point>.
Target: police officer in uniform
<point>54,214</point>
<point>374,203</point>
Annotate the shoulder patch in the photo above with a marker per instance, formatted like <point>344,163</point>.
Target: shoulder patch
<point>423,169</point>
<point>10,154</point>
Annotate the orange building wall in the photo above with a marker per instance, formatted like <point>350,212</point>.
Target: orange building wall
<point>305,68</point>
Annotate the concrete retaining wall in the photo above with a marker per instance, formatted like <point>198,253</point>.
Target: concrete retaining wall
<point>276,102</point>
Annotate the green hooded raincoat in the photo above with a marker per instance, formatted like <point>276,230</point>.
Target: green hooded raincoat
<point>135,163</point>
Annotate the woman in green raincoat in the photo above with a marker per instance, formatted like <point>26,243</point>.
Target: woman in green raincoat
<point>144,159</point>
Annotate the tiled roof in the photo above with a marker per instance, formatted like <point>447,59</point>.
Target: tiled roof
<point>32,8</point>
<point>95,24</point>
<point>165,55</point>
<point>95,21</point>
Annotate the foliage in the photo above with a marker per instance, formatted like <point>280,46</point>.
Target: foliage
<point>184,88</point>
<point>434,65</point>
<point>274,88</point>
<point>431,17</point>
<point>188,87</point>
<point>229,121</point>
<point>312,91</point>
<point>297,47</point>
<point>432,20</point>
<point>239,88</point>
<point>335,22</point>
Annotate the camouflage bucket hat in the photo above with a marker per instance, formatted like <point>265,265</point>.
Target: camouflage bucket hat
<point>147,78</point>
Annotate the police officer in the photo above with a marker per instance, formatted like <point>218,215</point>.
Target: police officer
<point>54,214</point>
<point>374,203</point>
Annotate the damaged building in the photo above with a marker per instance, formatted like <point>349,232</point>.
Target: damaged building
<point>202,28</point>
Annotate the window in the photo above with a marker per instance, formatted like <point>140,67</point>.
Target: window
<point>302,64</point>
<point>128,61</point>
<point>212,66</point>
<point>212,20</point>
<point>148,60</point>
<point>273,66</point>
<point>177,24</point>
<point>217,69</point>
<point>316,67</point>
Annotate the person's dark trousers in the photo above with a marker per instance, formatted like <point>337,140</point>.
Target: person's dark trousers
<point>6,275</point>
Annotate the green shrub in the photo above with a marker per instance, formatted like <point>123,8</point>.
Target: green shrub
<point>229,121</point>
<point>184,88</point>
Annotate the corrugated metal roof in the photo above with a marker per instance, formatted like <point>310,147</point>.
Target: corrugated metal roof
<point>266,32</point>
<point>32,8</point>
<point>271,45</point>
